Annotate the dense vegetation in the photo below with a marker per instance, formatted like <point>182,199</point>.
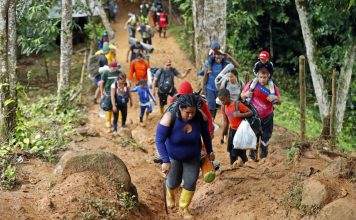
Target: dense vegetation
<point>274,25</point>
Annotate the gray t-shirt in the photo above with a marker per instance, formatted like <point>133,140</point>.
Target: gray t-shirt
<point>234,89</point>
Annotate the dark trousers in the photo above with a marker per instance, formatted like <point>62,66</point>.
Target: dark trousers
<point>123,110</point>
<point>147,41</point>
<point>267,129</point>
<point>234,153</point>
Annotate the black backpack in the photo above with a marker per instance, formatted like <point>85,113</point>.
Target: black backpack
<point>165,81</point>
<point>254,120</point>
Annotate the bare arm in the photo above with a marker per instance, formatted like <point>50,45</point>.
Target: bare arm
<point>233,61</point>
<point>225,126</point>
<point>206,75</point>
<point>182,76</point>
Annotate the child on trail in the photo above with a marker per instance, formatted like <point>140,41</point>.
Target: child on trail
<point>108,77</point>
<point>144,95</point>
<point>120,96</point>
<point>232,118</point>
<point>263,62</point>
<point>233,84</point>
<point>262,100</point>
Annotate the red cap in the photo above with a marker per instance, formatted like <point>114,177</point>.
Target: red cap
<point>185,88</point>
<point>264,55</point>
<point>113,63</point>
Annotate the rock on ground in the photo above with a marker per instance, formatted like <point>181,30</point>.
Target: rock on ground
<point>343,209</point>
<point>314,193</point>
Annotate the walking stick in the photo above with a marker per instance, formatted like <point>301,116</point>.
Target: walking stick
<point>164,188</point>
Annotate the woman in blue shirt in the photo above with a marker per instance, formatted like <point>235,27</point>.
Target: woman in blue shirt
<point>178,141</point>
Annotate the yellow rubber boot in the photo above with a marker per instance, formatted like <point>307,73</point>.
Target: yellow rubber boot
<point>170,198</point>
<point>161,110</point>
<point>184,201</point>
<point>108,119</point>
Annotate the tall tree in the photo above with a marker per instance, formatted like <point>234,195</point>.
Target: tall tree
<point>330,42</point>
<point>66,53</point>
<point>209,17</point>
<point>8,61</point>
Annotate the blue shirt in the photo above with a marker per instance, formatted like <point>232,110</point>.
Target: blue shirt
<point>144,94</point>
<point>215,70</point>
<point>173,142</point>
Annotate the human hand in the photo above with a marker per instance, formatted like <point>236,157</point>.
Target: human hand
<point>131,104</point>
<point>165,168</point>
<point>114,108</point>
<point>237,114</point>
<point>188,70</point>
<point>272,98</point>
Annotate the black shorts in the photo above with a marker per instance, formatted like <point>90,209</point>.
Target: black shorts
<point>163,97</point>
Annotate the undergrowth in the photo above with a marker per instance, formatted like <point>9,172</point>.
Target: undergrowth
<point>40,132</point>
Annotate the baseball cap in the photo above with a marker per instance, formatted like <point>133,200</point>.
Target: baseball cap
<point>214,45</point>
<point>113,63</point>
<point>264,55</point>
<point>105,34</point>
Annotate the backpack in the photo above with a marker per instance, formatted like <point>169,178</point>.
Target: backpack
<point>121,100</point>
<point>165,82</point>
<point>254,120</point>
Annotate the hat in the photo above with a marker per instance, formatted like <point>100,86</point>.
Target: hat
<point>185,88</point>
<point>113,63</point>
<point>264,55</point>
<point>214,44</point>
<point>106,48</point>
<point>105,34</point>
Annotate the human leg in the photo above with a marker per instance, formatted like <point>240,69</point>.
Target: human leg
<point>267,128</point>
<point>116,117</point>
<point>211,99</point>
<point>123,110</point>
<point>190,177</point>
<point>162,101</point>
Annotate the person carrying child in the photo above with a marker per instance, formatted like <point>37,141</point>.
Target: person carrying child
<point>144,95</point>
<point>232,118</point>
<point>263,99</point>
<point>266,63</point>
<point>120,96</point>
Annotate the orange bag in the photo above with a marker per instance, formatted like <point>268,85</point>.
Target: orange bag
<point>207,168</point>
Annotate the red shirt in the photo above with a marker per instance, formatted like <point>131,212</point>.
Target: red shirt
<point>228,110</point>
<point>259,99</point>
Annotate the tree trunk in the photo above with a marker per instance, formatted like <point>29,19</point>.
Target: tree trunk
<point>66,52</point>
<point>344,84</point>
<point>209,18</point>
<point>270,37</point>
<point>12,65</point>
<point>105,21</point>
<point>8,60</point>
<point>318,81</point>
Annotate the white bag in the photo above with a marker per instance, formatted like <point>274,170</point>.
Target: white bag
<point>244,137</point>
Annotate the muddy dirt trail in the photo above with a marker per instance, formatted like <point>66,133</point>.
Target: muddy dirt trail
<point>248,192</point>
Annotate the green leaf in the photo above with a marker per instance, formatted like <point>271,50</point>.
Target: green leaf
<point>8,102</point>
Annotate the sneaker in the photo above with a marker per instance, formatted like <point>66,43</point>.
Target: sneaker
<point>216,165</point>
<point>114,133</point>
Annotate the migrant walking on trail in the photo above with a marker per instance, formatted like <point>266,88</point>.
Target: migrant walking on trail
<point>138,68</point>
<point>164,81</point>
<point>120,96</point>
<point>145,96</point>
<point>213,66</point>
<point>263,100</point>
<point>107,79</point>
<point>232,118</point>
<point>263,62</point>
<point>179,145</point>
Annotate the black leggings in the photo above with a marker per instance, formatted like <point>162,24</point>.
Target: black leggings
<point>123,110</point>
<point>234,153</point>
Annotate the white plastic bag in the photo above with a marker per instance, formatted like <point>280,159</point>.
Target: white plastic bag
<point>244,137</point>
